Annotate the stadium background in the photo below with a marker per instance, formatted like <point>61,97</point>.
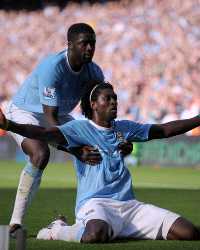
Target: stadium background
<point>148,49</point>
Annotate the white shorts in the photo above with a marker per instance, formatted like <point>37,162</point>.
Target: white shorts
<point>129,219</point>
<point>13,113</point>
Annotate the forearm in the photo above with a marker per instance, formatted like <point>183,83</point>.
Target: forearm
<point>27,130</point>
<point>51,115</point>
<point>173,128</point>
<point>52,121</point>
<point>181,126</point>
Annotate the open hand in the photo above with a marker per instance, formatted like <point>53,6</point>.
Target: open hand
<point>125,148</point>
<point>87,154</point>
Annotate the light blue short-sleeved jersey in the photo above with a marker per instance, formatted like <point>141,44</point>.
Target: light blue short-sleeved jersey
<point>53,83</point>
<point>110,178</point>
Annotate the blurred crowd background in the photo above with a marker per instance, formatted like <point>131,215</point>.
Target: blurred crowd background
<point>149,49</point>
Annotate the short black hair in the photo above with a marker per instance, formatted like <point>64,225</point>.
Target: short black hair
<point>78,28</point>
<point>95,87</point>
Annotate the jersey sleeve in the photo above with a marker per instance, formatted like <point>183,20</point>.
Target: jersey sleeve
<point>71,134</point>
<point>48,84</point>
<point>133,131</point>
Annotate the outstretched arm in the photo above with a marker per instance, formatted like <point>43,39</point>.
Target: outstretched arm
<point>50,135</point>
<point>173,128</point>
<point>53,135</point>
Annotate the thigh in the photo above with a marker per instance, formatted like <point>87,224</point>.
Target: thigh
<point>34,148</point>
<point>18,115</point>
<point>91,210</point>
<point>146,221</point>
<point>104,210</point>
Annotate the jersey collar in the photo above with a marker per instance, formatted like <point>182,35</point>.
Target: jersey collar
<point>99,127</point>
<point>69,66</point>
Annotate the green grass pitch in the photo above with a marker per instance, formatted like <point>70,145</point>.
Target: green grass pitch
<point>176,189</point>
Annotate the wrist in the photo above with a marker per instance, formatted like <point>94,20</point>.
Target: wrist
<point>5,127</point>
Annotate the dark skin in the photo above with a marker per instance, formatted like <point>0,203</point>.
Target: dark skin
<point>80,51</point>
<point>104,111</point>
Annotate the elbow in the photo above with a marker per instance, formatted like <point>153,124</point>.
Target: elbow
<point>162,132</point>
<point>159,132</point>
<point>167,133</point>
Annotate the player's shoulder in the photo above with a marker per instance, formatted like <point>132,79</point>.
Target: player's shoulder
<point>94,65</point>
<point>53,59</point>
<point>124,124</point>
<point>77,123</point>
<point>95,68</point>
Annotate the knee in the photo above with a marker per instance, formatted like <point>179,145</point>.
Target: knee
<point>40,157</point>
<point>96,234</point>
<point>183,229</point>
<point>191,233</point>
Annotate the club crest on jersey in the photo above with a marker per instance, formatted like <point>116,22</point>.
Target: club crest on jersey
<point>49,93</point>
<point>120,136</point>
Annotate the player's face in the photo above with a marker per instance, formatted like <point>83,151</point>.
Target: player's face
<point>106,105</point>
<point>83,47</point>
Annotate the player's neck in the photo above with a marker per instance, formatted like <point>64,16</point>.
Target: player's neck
<point>102,123</point>
<point>74,65</point>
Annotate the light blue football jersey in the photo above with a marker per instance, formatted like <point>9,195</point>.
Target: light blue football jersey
<point>53,83</point>
<point>110,178</point>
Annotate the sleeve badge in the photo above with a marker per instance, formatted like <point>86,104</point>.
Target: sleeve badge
<point>49,93</point>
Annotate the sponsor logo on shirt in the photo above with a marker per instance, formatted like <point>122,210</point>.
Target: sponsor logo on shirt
<point>89,212</point>
<point>49,93</point>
